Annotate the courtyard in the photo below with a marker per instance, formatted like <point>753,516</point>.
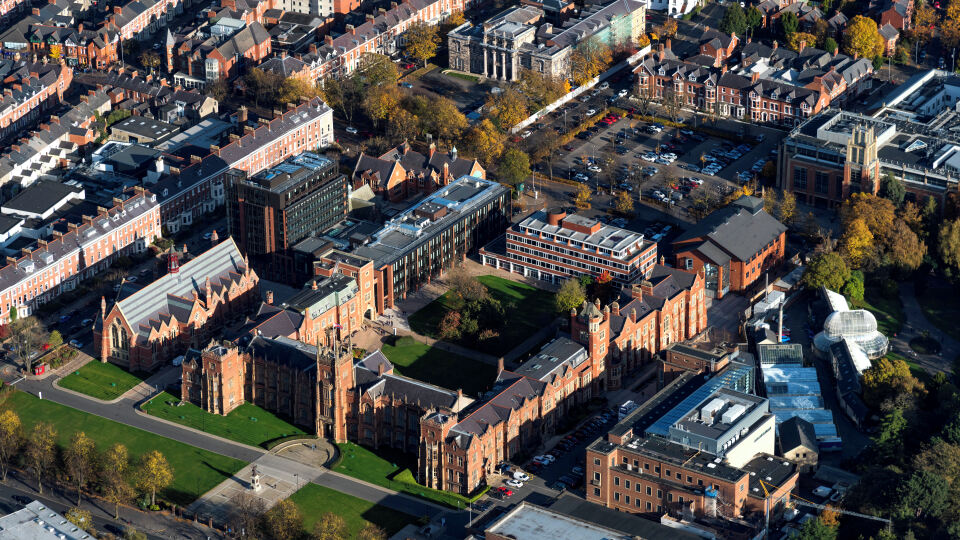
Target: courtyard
<point>526,310</point>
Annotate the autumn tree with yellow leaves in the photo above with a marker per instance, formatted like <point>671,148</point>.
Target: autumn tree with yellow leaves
<point>862,38</point>
<point>154,474</point>
<point>589,59</point>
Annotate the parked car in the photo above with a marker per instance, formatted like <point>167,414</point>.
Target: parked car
<point>351,130</point>
<point>76,344</point>
<point>521,476</point>
<point>604,85</point>
<point>514,483</point>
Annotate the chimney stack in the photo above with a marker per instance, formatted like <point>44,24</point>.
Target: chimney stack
<point>499,364</point>
<point>269,299</point>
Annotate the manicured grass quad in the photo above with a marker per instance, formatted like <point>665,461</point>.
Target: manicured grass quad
<point>435,366</point>
<point>314,501</point>
<point>101,380</point>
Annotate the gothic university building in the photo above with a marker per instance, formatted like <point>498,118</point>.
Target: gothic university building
<point>458,440</point>
<point>184,308</point>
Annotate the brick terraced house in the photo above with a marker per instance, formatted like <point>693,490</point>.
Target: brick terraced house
<point>61,262</point>
<point>401,172</point>
<point>148,327</point>
<point>29,88</point>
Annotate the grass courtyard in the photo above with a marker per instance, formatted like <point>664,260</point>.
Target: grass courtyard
<point>526,311</point>
<point>392,470</point>
<point>314,501</point>
<point>195,470</point>
<point>246,424</point>
<point>430,364</point>
<point>101,380</point>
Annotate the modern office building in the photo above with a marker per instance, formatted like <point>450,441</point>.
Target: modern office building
<point>272,210</point>
<point>431,236</point>
<point>37,522</point>
<point>700,447</point>
<point>554,246</point>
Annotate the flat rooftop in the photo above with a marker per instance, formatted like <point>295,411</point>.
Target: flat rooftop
<point>293,171</point>
<point>37,522</point>
<point>773,470</point>
<point>530,522</point>
<point>607,237</point>
<point>145,127</point>
<point>723,404</point>
<point>552,357</point>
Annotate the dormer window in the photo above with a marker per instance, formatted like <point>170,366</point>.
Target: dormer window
<point>774,95</point>
<point>662,72</point>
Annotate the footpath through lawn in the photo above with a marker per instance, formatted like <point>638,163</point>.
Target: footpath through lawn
<point>247,424</point>
<point>101,380</point>
<point>314,501</point>
<point>195,470</point>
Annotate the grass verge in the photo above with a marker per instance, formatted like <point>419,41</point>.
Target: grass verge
<point>941,305</point>
<point>392,470</point>
<point>247,424</point>
<point>314,501</point>
<point>101,380</point>
<point>195,470</point>
<point>887,310</point>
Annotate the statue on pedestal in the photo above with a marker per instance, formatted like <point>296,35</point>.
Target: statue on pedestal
<point>255,479</point>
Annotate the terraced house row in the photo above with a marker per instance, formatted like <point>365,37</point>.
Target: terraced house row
<point>28,89</point>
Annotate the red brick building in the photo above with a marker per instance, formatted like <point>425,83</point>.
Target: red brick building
<point>200,62</point>
<point>402,172</point>
<point>30,88</point>
<point>185,308</point>
<point>733,246</point>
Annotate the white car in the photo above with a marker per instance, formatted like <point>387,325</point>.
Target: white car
<point>695,180</point>
<point>659,195</point>
<point>604,85</point>
<point>521,476</point>
<point>546,459</point>
<point>623,93</point>
<point>591,112</point>
<point>649,157</point>
<point>516,484</point>
<point>526,134</point>
<point>594,168</point>
<point>351,130</point>
<point>580,177</point>
<point>669,155</point>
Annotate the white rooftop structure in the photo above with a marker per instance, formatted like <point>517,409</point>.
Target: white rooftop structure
<point>37,522</point>
<point>530,522</point>
<point>857,325</point>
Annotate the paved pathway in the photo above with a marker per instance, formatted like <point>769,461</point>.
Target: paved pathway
<point>914,326</point>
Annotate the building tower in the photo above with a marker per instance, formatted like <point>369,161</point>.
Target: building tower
<point>334,368</point>
<point>171,42</point>
<point>861,172</point>
<point>591,328</point>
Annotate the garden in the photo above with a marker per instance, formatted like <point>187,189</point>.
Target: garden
<point>486,313</point>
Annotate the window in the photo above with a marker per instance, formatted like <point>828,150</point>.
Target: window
<point>616,496</point>
<point>800,178</point>
<point>596,492</point>
<point>616,480</point>
<point>626,483</point>
<point>821,180</point>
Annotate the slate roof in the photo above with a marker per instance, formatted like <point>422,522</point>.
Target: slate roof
<point>272,321</point>
<point>41,196</point>
<point>716,39</point>
<point>797,432</point>
<point>736,229</point>
<point>284,351</point>
<point>512,391</point>
<point>33,78</point>
<point>286,66</point>
<point>172,294</point>
<point>412,162</point>
<point>412,391</point>
<point>888,32</point>
<point>244,40</point>
<point>686,70</point>
<point>795,95</point>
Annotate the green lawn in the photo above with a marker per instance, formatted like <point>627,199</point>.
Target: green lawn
<point>464,76</point>
<point>941,305</point>
<point>195,470</point>
<point>887,310</point>
<point>392,470</point>
<point>246,424</point>
<point>314,501</point>
<point>430,364</point>
<point>101,380</point>
<point>526,311</point>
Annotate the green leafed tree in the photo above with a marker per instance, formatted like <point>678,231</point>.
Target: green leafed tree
<point>514,166</point>
<point>826,270</point>
<point>789,22</point>
<point>734,20</point>
<point>570,296</point>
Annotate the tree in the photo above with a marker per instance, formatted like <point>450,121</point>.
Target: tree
<point>283,521</point>
<point>797,41</point>
<point>906,249</point>
<point>886,379</point>
<point>672,103</point>
<point>485,142</point>
<point>861,37</point>
<point>877,212</point>
<point>856,243</point>
<point>377,70</point>
<point>787,208</point>
<point>770,201</point>
<point>624,202</point>
<point>218,90</point>
<point>924,19</point>
<point>570,296</point>
<point>449,327</point>
<point>444,120</point>
<point>830,44</point>
<point>544,146</point>
<point>892,188</point>
<point>11,440</point>
<point>789,22</point>
<point>829,516</point>
<point>853,288</point>
<point>754,18</point>
<point>80,457</point>
<point>344,94</point>
<point>150,60</point>
<point>380,102</point>
<point>507,108</point>
<point>669,28</point>
<point>330,526</point>
<point>264,85</point>
<point>404,125</point>
<point>949,245</point>
<point>80,517</point>
<point>154,474</point>
<point>889,437</point>
<point>815,529</point>
<point>26,336</point>
<point>826,270</point>
<point>540,88</point>
<point>246,512</point>
<point>129,533</point>
<point>113,469</point>
<point>950,25</point>
<point>514,166</point>
<point>734,20</point>
<point>926,493</point>
<point>589,59</point>
<point>422,41</point>
<point>371,532</point>
<point>39,452</point>
<point>296,89</point>
<point>55,339</point>
<point>583,196</point>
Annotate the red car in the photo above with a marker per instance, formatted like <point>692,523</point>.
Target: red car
<point>504,492</point>
<point>407,65</point>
